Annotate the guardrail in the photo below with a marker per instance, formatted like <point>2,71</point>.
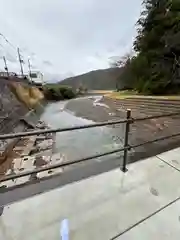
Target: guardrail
<point>128,121</point>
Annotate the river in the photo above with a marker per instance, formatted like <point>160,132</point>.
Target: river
<point>81,143</point>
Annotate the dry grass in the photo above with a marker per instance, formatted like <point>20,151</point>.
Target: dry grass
<point>134,94</point>
<point>30,96</point>
<point>121,94</point>
<point>101,91</point>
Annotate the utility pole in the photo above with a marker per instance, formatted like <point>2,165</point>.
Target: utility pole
<point>20,61</point>
<point>6,67</point>
<point>29,65</point>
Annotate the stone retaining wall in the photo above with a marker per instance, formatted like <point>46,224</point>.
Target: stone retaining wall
<point>11,111</point>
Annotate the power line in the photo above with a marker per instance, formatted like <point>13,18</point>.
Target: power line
<point>8,41</point>
<point>12,45</point>
<point>7,52</point>
<point>20,57</point>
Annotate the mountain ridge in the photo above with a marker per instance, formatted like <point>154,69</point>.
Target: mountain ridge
<point>102,79</point>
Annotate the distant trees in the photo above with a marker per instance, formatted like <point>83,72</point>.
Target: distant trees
<point>81,90</point>
<point>155,66</point>
<point>125,79</point>
<point>56,92</point>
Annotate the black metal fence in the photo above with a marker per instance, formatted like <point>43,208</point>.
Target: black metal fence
<point>128,121</point>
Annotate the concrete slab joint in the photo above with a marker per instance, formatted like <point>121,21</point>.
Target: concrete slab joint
<point>141,204</point>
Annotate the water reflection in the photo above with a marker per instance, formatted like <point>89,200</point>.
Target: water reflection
<point>80,143</point>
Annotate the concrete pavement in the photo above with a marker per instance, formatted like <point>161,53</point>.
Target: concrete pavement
<point>141,204</point>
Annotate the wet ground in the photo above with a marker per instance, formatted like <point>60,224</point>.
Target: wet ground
<point>74,145</point>
<point>101,109</point>
<point>38,151</point>
<point>81,143</point>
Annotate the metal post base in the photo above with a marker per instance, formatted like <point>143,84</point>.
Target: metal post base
<point>124,170</point>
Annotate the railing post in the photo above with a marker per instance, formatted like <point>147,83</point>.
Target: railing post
<point>126,140</point>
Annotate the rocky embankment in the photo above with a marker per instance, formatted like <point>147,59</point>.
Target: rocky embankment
<point>11,111</point>
<point>15,115</point>
<point>27,153</point>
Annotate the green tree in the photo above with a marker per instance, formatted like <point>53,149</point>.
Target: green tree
<point>155,66</point>
<point>158,46</point>
<point>124,80</point>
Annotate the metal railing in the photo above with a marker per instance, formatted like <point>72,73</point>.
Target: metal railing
<point>128,121</point>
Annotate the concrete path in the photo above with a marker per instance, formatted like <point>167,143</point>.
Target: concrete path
<point>144,203</point>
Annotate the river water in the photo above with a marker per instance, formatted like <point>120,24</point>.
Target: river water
<point>73,145</point>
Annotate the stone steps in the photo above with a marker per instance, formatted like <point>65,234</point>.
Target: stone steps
<point>144,107</point>
<point>139,103</point>
<point>148,129</point>
<point>140,112</point>
<point>152,100</point>
<point>143,103</point>
<point>148,108</point>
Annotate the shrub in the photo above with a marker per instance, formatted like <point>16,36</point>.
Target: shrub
<point>68,94</point>
<point>56,92</point>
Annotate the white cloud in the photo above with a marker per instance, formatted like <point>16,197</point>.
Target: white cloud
<point>47,63</point>
<point>72,35</point>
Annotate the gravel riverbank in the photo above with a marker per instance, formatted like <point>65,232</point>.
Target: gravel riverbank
<point>93,108</point>
<point>99,109</point>
<point>77,144</point>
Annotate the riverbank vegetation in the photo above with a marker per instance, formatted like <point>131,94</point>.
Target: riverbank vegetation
<point>57,92</point>
<point>154,66</point>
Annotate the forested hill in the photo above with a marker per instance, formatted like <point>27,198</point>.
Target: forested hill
<point>155,66</point>
<point>95,80</point>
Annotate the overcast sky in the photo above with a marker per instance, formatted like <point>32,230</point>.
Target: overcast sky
<point>67,37</point>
